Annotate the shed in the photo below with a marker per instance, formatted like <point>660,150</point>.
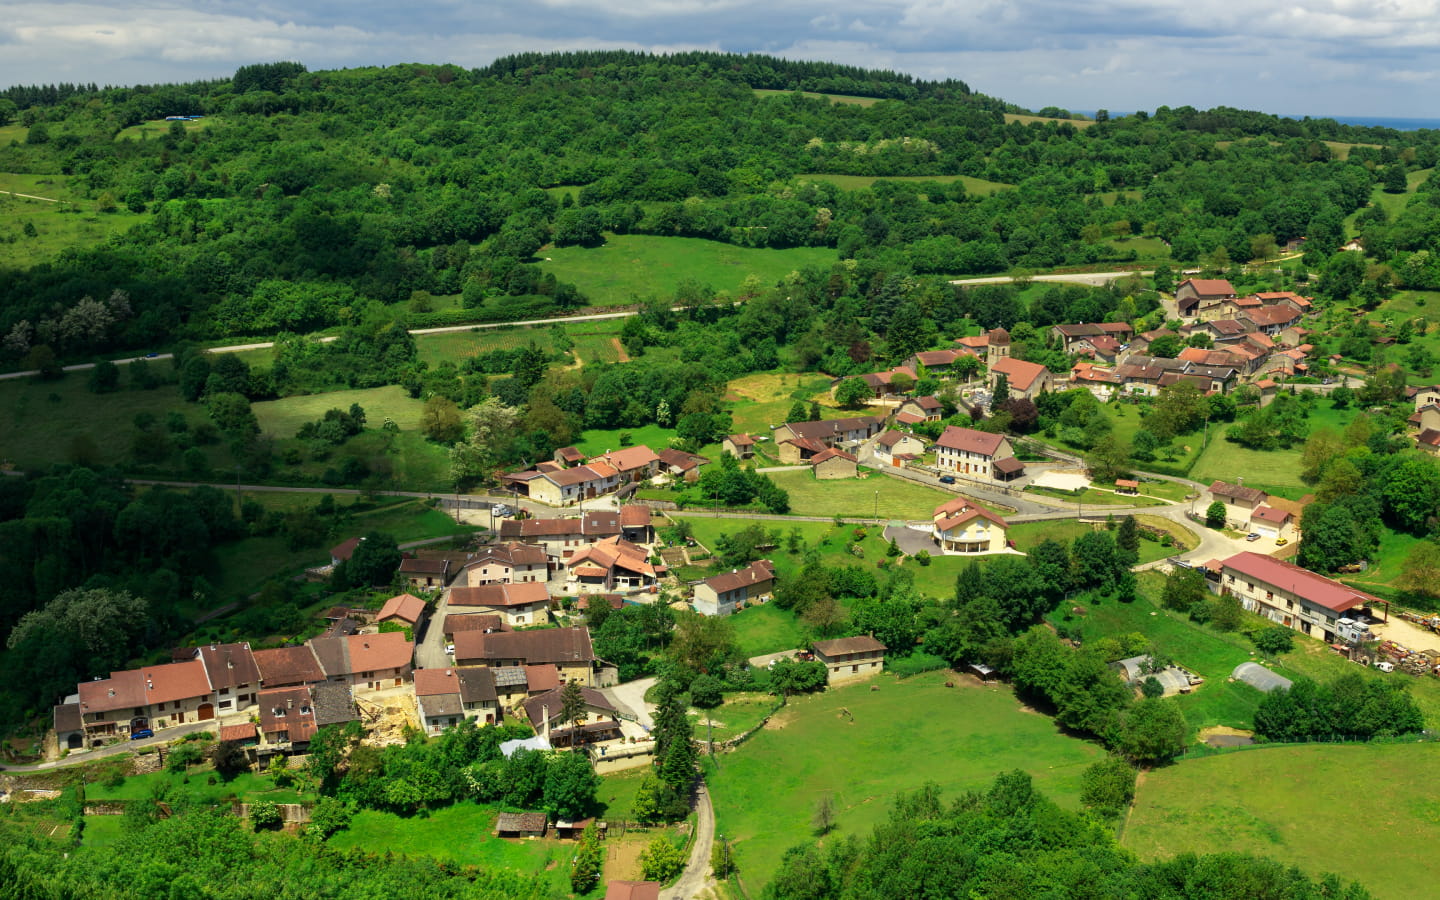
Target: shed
<point>517,825</point>
<point>1258,676</point>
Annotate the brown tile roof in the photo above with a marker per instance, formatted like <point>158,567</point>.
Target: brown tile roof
<point>596,523</point>
<point>333,654</point>
<point>288,665</point>
<point>1208,287</point>
<point>758,572</point>
<point>541,677</point>
<point>120,691</point>
<point>1237,492</point>
<point>511,553</point>
<point>239,733</point>
<point>68,717</point>
<point>629,459</point>
<point>429,682</point>
<point>289,710</point>
<point>334,704</point>
<point>632,890</point>
<point>861,644</point>
<point>1022,374</point>
<point>1009,465</point>
<point>635,515</point>
<point>959,511</point>
<point>375,652</point>
<point>829,454</point>
<point>565,646</point>
<point>976,342</point>
<point>1271,514</point>
<point>937,357</point>
<point>501,596</point>
<point>570,455</point>
<point>229,665</point>
<point>907,418</point>
<point>1430,437</point>
<point>830,428</point>
<point>175,681</point>
<point>458,622</point>
<point>679,459</point>
<point>535,706</point>
<point>741,440</point>
<point>577,475</point>
<point>342,551</point>
<point>970,440</point>
<point>406,607</point>
<point>411,566</point>
<point>1302,582</point>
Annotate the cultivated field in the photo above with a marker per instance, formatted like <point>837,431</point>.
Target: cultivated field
<point>850,744</point>
<point>1364,812</point>
<point>630,266</point>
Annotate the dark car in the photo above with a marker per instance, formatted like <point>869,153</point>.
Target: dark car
<point>947,479</point>
<point>141,734</point>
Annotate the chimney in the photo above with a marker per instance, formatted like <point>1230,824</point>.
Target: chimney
<point>545,717</point>
<point>290,703</point>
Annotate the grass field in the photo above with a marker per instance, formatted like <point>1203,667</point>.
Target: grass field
<point>977,186</point>
<point>74,223</point>
<point>1082,124</point>
<point>1302,806</point>
<point>159,128</point>
<point>847,743</point>
<point>42,422</point>
<point>283,418</point>
<point>194,786</point>
<point>877,496</point>
<point>628,266</point>
<point>457,346</point>
<point>737,715</point>
<point>595,342</point>
<point>462,833</point>
<point>768,629</point>
<point>833,98</point>
<point>1275,471</point>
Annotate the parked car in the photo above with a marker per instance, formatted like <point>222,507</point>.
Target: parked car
<point>1385,666</point>
<point>450,649</point>
<point>1253,536</point>
<point>947,479</point>
<point>141,734</point>
<point>1280,542</point>
<point>502,510</point>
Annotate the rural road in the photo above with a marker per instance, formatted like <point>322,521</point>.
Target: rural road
<point>630,698</point>
<point>74,759</point>
<point>1094,279</point>
<point>419,332</point>
<point>696,880</point>
<point>33,197</point>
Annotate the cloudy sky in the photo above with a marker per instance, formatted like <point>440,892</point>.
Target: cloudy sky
<point>1318,57</point>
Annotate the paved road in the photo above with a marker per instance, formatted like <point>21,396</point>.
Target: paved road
<point>430,649</point>
<point>1095,279</point>
<point>696,880</point>
<point>630,698</point>
<point>164,737</point>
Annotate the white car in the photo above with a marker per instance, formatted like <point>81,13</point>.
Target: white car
<point>1385,666</point>
<point>449,649</point>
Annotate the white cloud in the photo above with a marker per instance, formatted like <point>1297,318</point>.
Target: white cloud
<point>1316,56</point>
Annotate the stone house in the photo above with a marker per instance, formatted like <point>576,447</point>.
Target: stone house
<point>518,605</point>
<point>974,454</point>
<point>721,595</point>
<point>831,464</point>
<point>846,659</point>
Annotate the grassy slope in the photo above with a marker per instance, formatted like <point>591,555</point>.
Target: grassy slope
<point>765,792</point>
<point>833,98</point>
<point>632,265</point>
<point>1081,124</point>
<point>58,225</point>
<point>976,186</point>
<point>1302,806</point>
<point>1277,471</point>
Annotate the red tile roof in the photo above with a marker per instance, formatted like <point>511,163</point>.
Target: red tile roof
<point>501,596</point>
<point>970,440</point>
<point>961,510</point>
<point>1022,374</point>
<point>1209,287</point>
<point>238,733</point>
<point>1271,514</point>
<point>832,453</point>
<point>862,644</point>
<point>176,681</point>
<point>375,652</point>
<point>405,607</point>
<point>634,515</point>
<point>288,665</point>
<point>1302,582</point>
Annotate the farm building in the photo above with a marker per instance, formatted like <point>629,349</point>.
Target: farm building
<point>1257,676</point>
<point>1134,671</point>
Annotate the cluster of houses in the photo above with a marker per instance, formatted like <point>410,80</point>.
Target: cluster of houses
<point>1425,421</point>
<point>1255,512</point>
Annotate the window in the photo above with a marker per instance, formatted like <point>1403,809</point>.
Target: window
<point>1270,595</point>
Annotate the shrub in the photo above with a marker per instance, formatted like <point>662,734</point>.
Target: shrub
<point>916,663</point>
<point>1108,786</point>
<point>660,861</point>
<point>923,558</point>
<point>264,814</point>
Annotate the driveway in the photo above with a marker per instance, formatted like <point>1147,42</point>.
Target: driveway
<point>630,698</point>
<point>430,648</point>
<point>696,880</point>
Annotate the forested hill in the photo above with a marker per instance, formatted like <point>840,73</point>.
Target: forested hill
<point>301,199</point>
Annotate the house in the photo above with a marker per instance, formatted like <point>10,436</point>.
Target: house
<point>936,362</point>
<point>1026,379</point>
<point>850,658</point>
<point>1425,418</point>
<point>1288,595</point>
<point>562,537</point>
<point>1429,441</point>
<point>974,454</point>
<point>1240,501</point>
<point>795,450</point>
<point>567,486</point>
<point>635,524</point>
<point>611,565</point>
<point>541,677</point>
<point>638,463</point>
<point>600,720</point>
<point>632,890</point>
<point>405,609</point>
<point>233,675</point>
<point>334,704</point>
<point>512,685</point>
<point>566,457</point>
<point>508,563</point>
<point>518,605</point>
<point>288,666</point>
<point>721,595</point>
<point>899,380</point>
<point>740,446</point>
<point>1102,383</point>
<point>365,662</point>
<point>456,622</point>
<point>287,715</point>
<point>568,649</point>
<point>1069,336</point>
<point>425,574</point>
<point>1272,522</point>
<point>831,463</point>
<point>1270,320</point>
<point>446,696</point>
<point>1101,347</point>
<point>244,734</point>
<point>892,448</point>
<point>343,551</point>
<point>830,432</point>
<point>1194,294</point>
<point>1140,344</point>
<point>920,409</point>
<point>960,526</point>
<point>682,465</point>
